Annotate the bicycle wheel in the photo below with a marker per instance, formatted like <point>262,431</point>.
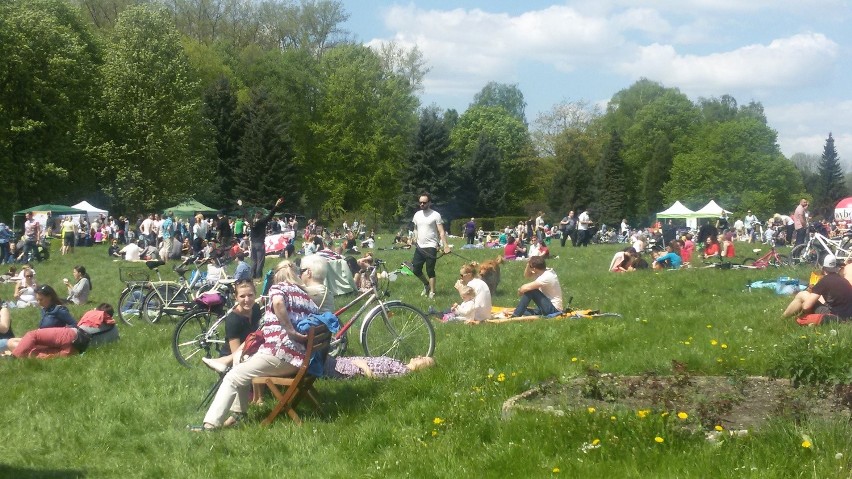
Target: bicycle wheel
<point>749,262</point>
<point>193,339</point>
<point>779,261</point>
<point>130,304</point>
<point>798,255</point>
<point>403,333</point>
<point>165,300</point>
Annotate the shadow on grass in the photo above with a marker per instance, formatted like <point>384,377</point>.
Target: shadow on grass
<point>337,397</point>
<point>28,473</point>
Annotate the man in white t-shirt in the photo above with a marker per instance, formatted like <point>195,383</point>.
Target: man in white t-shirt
<point>583,224</point>
<point>131,251</point>
<point>544,290</point>
<point>429,235</point>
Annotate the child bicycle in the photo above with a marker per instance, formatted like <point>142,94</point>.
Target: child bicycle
<point>388,328</point>
<point>772,258</point>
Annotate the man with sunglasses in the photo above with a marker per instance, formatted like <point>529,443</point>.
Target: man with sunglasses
<point>429,235</point>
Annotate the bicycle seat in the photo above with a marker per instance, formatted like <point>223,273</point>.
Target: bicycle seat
<point>154,264</point>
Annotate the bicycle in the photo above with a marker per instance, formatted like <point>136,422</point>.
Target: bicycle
<point>818,247</point>
<point>772,258</point>
<point>175,298</point>
<point>390,328</point>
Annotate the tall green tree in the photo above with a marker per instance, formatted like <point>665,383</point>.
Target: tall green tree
<point>154,140</point>
<point>831,186</point>
<point>735,162</point>
<point>487,181</point>
<point>267,168</point>
<point>610,199</point>
<point>365,119</point>
<point>508,97</point>
<point>429,163</point>
<point>220,109</point>
<point>572,185</point>
<point>511,138</point>
<point>657,174</point>
<point>48,73</point>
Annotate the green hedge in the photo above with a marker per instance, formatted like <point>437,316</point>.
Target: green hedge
<point>487,224</point>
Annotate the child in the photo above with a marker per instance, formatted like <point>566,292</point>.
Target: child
<point>463,311</point>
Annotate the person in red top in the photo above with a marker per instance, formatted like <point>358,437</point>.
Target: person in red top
<point>712,248</point>
<point>728,250</point>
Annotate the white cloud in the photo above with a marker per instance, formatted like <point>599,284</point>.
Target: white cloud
<point>803,127</point>
<point>799,60</point>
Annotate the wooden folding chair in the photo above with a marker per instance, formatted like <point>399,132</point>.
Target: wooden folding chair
<point>302,384</point>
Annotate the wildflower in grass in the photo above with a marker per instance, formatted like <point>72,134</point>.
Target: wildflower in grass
<point>642,413</point>
<point>596,442</point>
<point>719,428</point>
<point>591,410</point>
<point>501,377</point>
<point>514,374</point>
<point>437,421</point>
<point>719,360</point>
<point>686,343</point>
<point>724,346</point>
<point>682,415</point>
<point>806,444</point>
<point>709,326</point>
<point>664,414</point>
<point>659,440</point>
<point>838,456</point>
<point>713,342</point>
<point>612,418</point>
<point>434,432</point>
<point>556,470</point>
<point>573,360</point>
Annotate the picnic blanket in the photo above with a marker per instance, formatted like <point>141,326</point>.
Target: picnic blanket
<point>504,315</point>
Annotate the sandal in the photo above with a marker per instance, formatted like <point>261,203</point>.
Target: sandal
<point>234,420</point>
<point>201,428</point>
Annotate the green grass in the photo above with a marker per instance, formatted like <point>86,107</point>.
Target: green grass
<point>121,410</point>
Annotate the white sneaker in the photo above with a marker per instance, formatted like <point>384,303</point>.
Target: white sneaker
<point>431,295</point>
<point>215,365</point>
<point>425,291</point>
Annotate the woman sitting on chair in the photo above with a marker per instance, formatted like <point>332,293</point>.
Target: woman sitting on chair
<point>281,353</point>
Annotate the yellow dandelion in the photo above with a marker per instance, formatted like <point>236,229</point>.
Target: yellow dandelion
<point>686,343</point>
<point>591,410</point>
<point>724,346</point>
<point>501,377</point>
<point>556,470</point>
<point>719,428</point>
<point>682,415</point>
<point>642,413</point>
<point>612,418</point>
<point>713,342</point>
<point>437,421</point>
<point>434,432</point>
<point>573,360</point>
<point>659,440</point>
<point>709,326</point>
<point>596,442</point>
<point>806,444</point>
<point>664,414</point>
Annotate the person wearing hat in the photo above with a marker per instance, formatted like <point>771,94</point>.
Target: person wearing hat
<point>832,294</point>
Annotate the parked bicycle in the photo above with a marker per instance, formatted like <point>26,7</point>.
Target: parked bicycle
<point>819,246</point>
<point>770,259</point>
<point>388,327</point>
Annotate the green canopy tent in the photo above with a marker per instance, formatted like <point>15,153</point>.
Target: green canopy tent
<point>43,211</point>
<point>189,208</point>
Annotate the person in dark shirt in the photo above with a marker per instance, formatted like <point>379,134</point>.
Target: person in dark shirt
<point>223,230</point>
<point>832,294</point>
<point>257,235</point>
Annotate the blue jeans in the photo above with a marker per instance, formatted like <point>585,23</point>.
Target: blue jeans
<point>31,245</point>
<point>545,307</point>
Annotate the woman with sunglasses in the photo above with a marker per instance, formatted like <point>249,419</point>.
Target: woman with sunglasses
<point>25,289</point>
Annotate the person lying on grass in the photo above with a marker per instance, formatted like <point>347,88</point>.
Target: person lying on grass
<point>832,294</point>
<point>544,290</point>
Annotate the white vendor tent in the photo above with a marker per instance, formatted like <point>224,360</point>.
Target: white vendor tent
<point>92,212</point>
<point>678,211</point>
<point>711,210</point>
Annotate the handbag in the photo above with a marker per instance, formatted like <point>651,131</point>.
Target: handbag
<point>252,343</point>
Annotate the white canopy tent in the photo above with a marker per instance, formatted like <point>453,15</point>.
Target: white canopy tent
<point>678,211</point>
<point>711,210</point>
<point>92,211</point>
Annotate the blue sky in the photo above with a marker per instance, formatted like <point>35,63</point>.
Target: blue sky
<point>794,57</point>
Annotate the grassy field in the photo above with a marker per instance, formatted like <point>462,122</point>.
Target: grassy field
<point>121,410</point>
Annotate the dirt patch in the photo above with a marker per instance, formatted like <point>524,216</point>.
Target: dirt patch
<point>735,403</point>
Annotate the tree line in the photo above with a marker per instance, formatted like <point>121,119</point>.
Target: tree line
<point>135,105</point>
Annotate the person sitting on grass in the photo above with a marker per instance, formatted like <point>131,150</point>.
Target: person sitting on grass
<point>513,249</point>
<point>99,324</point>
<point>687,248</point>
<point>465,310</point>
<point>544,290</point>
<point>712,249</point>
<point>832,294</point>
<point>57,333</point>
<point>622,261</point>
<point>728,250</point>
<point>78,293</point>
<point>243,270</point>
<point>670,259</point>
<point>25,289</point>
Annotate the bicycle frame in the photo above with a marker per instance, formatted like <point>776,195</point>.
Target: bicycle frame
<point>829,245</point>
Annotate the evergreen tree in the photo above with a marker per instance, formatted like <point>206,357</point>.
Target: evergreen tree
<point>429,164</point>
<point>489,187</point>
<point>657,173</point>
<point>831,187</point>
<point>571,188</point>
<point>266,165</point>
<point>610,200</point>
<point>220,109</point>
